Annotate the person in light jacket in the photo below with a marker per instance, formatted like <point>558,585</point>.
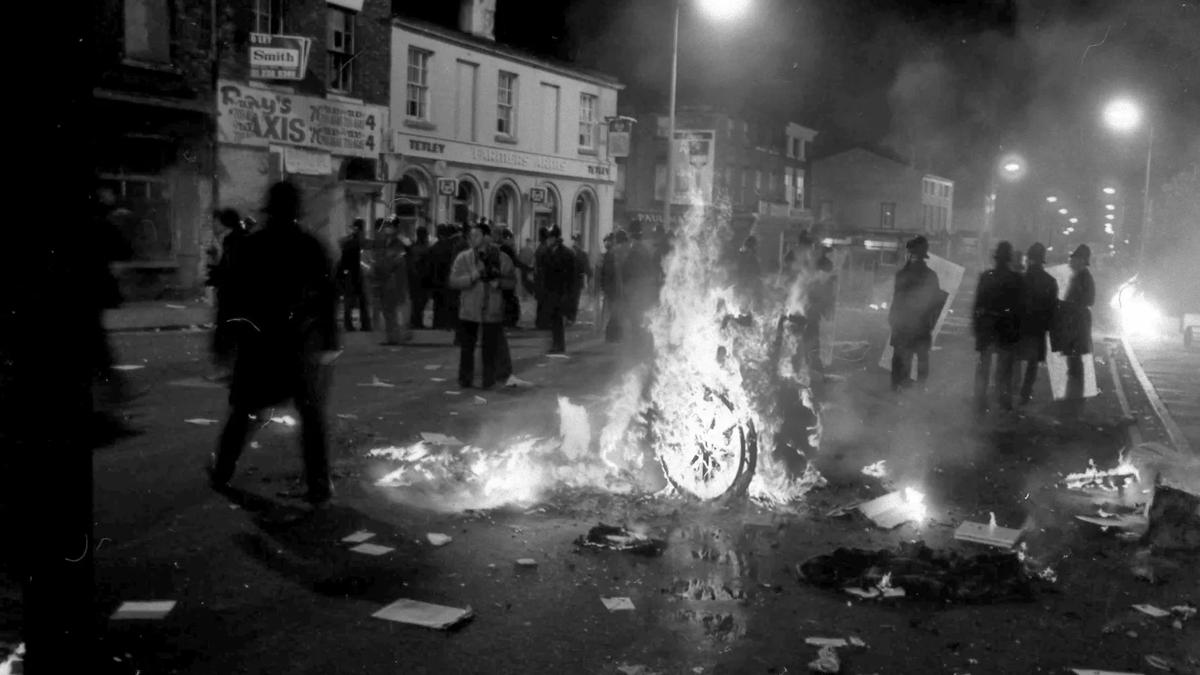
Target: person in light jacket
<point>480,273</point>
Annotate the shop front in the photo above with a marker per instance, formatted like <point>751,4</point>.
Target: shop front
<point>329,149</point>
<point>442,181</point>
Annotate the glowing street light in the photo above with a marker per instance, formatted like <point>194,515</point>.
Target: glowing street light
<point>1125,115</point>
<point>1051,199</point>
<point>1110,207</point>
<point>1012,167</point>
<point>1109,216</point>
<point>721,10</point>
<point>1063,211</point>
<point>1122,114</point>
<point>1110,191</point>
<point>1072,220</point>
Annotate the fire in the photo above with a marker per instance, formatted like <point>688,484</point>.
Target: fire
<point>914,503</point>
<point>1139,317</point>
<point>1109,480</point>
<point>723,408</point>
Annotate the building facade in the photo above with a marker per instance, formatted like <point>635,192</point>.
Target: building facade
<point>860,191</point>
<point>759,170</point>
<point>302,94</point>
<point>483,130</point>
<point>151,136</point>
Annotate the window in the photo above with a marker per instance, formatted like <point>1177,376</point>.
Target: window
<point>418,84</point>
<point>587,121</point>
<point>506,104</point>
<point>269,16</point>
<point>148,30</point>
<point>787,185</point>
<point>887,215</point>
<point>340,49</point>
<point>801,197</point>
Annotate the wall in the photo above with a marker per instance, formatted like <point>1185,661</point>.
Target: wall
<point>857,182</point>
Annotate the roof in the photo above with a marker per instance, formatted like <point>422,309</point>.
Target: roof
<point>490,46</point>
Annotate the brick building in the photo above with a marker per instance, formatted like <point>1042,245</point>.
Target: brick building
<point>760,169</point>
<point>302,94</point>
<point>151,113</point>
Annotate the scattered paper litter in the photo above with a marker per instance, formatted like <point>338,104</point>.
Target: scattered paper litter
<point>857,642</point>
<point>557,356</point>
<point>437,379</point>
<point>877,470</point>
<point>133,366</point>
<point>196,383</point>
<point>372,549</point>
<point>439,539</point>
<point>200,421</point>
<point>617,604</point>
<point>1152,611</point>
<point>177,306</point>
<point>826,662</point>
<point>453,392</point>
<point>636,669</point>
<point>149,609</point>
<point>526,562</point>
<point>863,592</point>
<point>286,420</point>
<point>347,416</point>
<point>358,537</point>
<point>424,614</point>
<point>481,400</point>
<point>889,511</point>
<point>433,366</point>
<point>991,535</point>
<point>1124,522</point>
<point>376,382</point>
<point>825,642</point>
<point>514,381</point>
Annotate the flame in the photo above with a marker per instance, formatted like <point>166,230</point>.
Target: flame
<point>1139,317</point>
<point>914,504</point>
<point>1110,480</point>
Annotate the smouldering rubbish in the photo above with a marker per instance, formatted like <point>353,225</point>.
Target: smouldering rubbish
<point>1110,480</point>
<point>895,508</point>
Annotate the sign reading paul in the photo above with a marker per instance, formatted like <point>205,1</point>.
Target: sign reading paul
<point>278,57</point>
<point>260,117</point>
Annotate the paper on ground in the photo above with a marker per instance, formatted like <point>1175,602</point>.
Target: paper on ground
<point>347,416</point>
<point>129,367</point>
<point>438,539</point>
<point>979,533</point>
<point>372,549</point>
<point>514,381</point>
<point>358,537</point>
<point>375,382</point>
<point>526,562</point>
<point>151,609</point>
<point>825,642</point>
<point>1152,611</point>
<point>432,366</point>
<point>200,421</point>
<point>424,614</point>
<point>437,379</point>
<point>453,392</point>
<point>176,306</point>
<point>196,383</point>
<point>480,400</point>
<point>888,511</point>
<point>557,356</point>
<point>1124,522</point>
<point>617,604</point>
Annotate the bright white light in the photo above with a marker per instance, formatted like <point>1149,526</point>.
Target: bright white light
<point>1123,115</point>
<point>914,503</point>
<point>1110,191</point>
<point>1012,167</point>
<point>1066,232</point>
<point>1109,216</point>
<point>1063,211</point>
<point>1110,207</point>
<point>724,9</point>
<point>1073,220</point>
<point>1108,229</point>
<point>1138,316</point>
<point>1051,199</point>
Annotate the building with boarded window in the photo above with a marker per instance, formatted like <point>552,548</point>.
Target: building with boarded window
<point>481,130</point>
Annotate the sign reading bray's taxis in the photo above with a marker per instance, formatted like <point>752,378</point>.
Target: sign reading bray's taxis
<point>260,117</point>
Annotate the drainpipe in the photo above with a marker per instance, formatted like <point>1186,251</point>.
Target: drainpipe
<point>215,51</point>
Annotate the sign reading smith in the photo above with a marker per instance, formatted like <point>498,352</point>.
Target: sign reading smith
<point>278,57</point>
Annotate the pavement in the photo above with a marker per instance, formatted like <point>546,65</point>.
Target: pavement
<point>1170,374</point>
<point>262,585</point>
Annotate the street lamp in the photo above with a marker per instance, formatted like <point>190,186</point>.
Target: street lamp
<point>1063,211</point>
<point>1124,115</point>
<point>1012,166</point>
<point>1109,216</point>
<point>1110,207</point>
<point>722,10</point>
<point>1072,220</point>
<point>1052,199</point>
<point>1110,191</point>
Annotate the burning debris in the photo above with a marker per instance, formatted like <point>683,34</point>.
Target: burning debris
<point>616,538</point>
<point>1111,480</point>
<point>895,508</point>
<point>921,572</point>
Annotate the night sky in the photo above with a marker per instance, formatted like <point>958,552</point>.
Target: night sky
<point>951,86</point>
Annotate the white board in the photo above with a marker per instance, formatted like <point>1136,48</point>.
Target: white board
<point>1056,364</point>
<point>950,278</point>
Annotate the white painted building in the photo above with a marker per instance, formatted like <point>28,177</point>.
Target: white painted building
<point>482,130</point>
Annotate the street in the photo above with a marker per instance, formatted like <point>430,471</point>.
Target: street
<point>261,585</point>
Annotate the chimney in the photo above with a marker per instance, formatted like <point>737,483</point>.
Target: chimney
<point>478,17</point>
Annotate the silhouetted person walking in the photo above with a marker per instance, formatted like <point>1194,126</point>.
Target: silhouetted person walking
<point>350,277</point>
<point>916,303</point>
<point>282,289</point>
<point>557,284</point>
<point>418,277</point>
<point>1072,336</point>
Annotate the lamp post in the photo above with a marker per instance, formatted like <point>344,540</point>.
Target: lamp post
<point>720,9</point>
<point>1125,115</point>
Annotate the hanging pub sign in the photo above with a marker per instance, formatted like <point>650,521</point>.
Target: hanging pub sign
<point>537,195</point>
<point>619,130</point>
<point>278,57</point>
<point>447,187</point>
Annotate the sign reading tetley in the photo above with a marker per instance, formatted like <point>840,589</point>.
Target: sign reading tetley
<point>260,117</point>
<point>469,153</point>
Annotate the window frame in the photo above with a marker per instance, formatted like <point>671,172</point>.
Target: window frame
<point>589,107</point>
<point>509,106</point>
<point>342,59</point>
<point>887,215</point>
<point>276,16</point>
<point>421,87</point>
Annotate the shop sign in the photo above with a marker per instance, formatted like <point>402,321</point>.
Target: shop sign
<point>278,57</point>
<point>619,130</point>
<point>259,117</point>
<point>537,195</point>
<point>693,164</point>
<point>447,187</point>
<point>501,158</point>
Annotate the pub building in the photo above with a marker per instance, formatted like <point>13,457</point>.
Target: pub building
<point>481,130</point>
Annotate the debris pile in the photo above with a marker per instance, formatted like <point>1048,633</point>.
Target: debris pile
<point>617,538</point>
